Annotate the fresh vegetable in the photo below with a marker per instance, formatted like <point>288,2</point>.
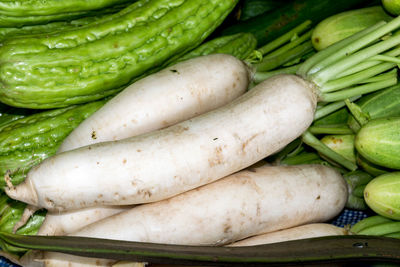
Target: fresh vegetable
<point>17,14</point>
<point>219,142</point>
<point>384,103</point>
<point>69,222</point>
<point>252,8</point>
<point>27,141</point>
<point>10,212</point>
<point>377,225</point>
<point>382,195</point>
<point>357,181</point>
<point>342,144</point>
<point>392,6</point>
<point>270,25</point>
<point>378,142</point>
<point>294,233</point>
<point>100,59</point>
<point>240,45</point>
<point>175,94</point>
<point>345,24</point>
<point>371,168</point>
<point>238,206</point>
<point>64,25</point>
<point>211,146</point>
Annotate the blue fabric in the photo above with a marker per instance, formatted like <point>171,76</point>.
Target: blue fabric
<point>347,217</point>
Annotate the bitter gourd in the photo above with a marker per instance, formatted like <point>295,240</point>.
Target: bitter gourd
<point>29,140</point>
<point>7,32</point>
<point>34,12</point>
<point>239,45</point>
<point>82,65</point>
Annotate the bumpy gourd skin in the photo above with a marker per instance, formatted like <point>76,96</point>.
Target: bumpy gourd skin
<point>34,12</point>
<point>40,7</point>
<point>70,67</point>
<point>27,141</point>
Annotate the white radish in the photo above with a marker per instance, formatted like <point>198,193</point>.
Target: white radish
<point>172,95</point>
<point>250,202</point>
<point>298,232</point>
<point>164,163</point>
<point>71,221</point>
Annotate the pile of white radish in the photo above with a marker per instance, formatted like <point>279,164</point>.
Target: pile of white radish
<point>157,101</point>
<point>163,163</point>
<point>257,200</point>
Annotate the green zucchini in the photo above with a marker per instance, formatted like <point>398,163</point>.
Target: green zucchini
<point>34,12</point>
<point>344,24</point>
<point>27,141</point>
<point>378,141</point>
<point>100,59</point>
<point>382,195</point>
<point>384,103</point>
<point>270,25</point>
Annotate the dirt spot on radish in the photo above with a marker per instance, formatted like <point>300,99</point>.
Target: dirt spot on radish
<point>217,158</point>
<point>124,161</point>
<point>178,129</point>
<point>94,135</point>
<point>318,197</point>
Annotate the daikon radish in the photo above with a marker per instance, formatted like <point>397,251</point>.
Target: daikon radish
<point>175,94</point>
<point>167,162</point>
<point>299,232</point>
<point>71,221</point>
<point>250,202</point>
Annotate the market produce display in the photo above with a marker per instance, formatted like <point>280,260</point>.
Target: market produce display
<point>204,124</point>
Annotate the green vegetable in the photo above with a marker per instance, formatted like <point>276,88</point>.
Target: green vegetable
<point>368,222</point>
<point>252,8</point>
<point>379,142</point>
<point>342,144</point>
<point>29,140</point>
<point>270,25</point>
<point>85,64</point>
<point>357,180</point>
<point>344,24</point>
<point>34,12</point>
<point>385,103</point>
<point>240,45</point>
<point>10,213</point>
<point>369,167</point>
<point>7,32</point>
<point>382,195</point>
<point>392,6</point>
